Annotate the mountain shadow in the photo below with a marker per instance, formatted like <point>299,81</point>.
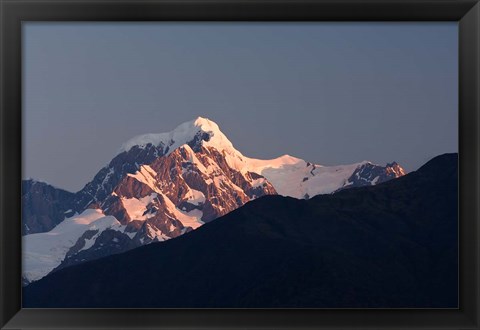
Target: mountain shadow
<point>393,245</point>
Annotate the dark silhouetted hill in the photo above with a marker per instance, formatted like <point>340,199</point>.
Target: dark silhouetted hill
<point>390,245</point>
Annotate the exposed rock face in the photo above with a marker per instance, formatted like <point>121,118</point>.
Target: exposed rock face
<point>43,206</point>
<point>371,174</point>
<point>109,176</point>
<point>180,191</point>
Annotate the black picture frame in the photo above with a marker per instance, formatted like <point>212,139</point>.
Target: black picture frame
<point>14,12</point>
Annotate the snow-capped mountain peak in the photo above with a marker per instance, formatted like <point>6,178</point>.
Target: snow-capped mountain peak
<point>205,132</point>
<point>161,186</point>
<point>198,131</point>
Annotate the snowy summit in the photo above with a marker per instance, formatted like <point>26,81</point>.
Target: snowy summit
<point>289,175</point>
<point>181,135</point>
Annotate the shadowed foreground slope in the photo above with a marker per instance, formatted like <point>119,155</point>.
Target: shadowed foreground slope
<point>391,245</point>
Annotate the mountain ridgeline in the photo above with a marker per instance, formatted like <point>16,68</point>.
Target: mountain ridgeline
<point>161,186</point>
<point>389,245</point>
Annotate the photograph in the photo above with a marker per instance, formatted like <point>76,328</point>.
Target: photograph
<point>262,165</point>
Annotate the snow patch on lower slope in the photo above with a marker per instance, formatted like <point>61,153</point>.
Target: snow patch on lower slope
<point>43,252</point>
<point>188,219</point>
<point>137,208</point>
<point>195,197</point>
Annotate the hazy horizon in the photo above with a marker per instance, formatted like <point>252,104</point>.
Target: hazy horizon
<point>329,93</point>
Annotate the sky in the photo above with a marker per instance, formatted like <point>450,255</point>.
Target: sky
<point>330,93</point>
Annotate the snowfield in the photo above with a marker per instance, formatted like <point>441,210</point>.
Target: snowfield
<point>43,252</point>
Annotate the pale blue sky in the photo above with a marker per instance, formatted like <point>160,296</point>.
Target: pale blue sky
<point>330,93</point>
